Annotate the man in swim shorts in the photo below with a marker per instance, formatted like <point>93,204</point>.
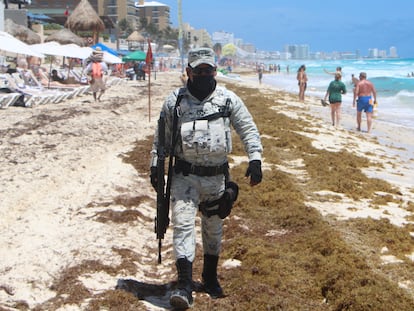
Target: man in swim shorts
<point>367,97</point>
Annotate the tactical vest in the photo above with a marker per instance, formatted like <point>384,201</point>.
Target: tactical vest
<point>205,133</point>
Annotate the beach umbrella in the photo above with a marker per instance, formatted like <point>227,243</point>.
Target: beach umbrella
<point>168,47</point>
<point>13,45</point>
<point>107,57</point>
<point>38,17</point>
<point>136,36</point>
<point>55,49</point>
<point>21,32</point>
<point>85,18</point>
<point>65,36</point>
<point>135,56</point>
<point>105,48</point>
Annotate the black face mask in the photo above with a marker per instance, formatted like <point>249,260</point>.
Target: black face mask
<point>202,86</point>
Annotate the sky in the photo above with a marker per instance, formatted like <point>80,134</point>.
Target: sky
<point>326,26</point>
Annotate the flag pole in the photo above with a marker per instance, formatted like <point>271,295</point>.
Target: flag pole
<point>148,61</point>
<point>149,93</point>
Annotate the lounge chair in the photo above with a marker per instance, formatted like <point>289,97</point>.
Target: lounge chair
<point>33,96</point>
<point>27,82</point>
<point>8,98</point>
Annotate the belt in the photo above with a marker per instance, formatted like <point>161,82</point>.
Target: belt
<point>186,168</point>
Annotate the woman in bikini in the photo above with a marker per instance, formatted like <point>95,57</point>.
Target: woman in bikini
<point>302,81</point>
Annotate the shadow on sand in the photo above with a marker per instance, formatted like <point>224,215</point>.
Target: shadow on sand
<point>156,294</point>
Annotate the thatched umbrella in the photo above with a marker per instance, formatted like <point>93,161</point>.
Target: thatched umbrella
<point>21,32</point>
<point>65,36</point>
<point>136,36</point>
<point>85,18</point>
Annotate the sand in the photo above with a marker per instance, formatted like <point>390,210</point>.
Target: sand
<point>61,165</point>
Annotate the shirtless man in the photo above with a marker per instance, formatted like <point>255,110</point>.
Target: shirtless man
<point>364,91</point>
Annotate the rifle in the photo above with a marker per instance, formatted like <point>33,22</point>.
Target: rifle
<point>163,193</point>
<point>163,201</point>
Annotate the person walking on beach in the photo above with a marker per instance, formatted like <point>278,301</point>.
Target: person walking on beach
<point>335,90</point>
<point>200,177</point>
<point>302,82</point>
<point>96,69</point>
<point>366,97</point>
<point>260,72</point>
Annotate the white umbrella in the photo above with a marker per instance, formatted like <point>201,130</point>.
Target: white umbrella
<point>57,49</point>
<point>72,50</point>
<point>13,45</point>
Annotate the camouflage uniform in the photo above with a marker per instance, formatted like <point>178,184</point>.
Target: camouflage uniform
<point>188,191</point>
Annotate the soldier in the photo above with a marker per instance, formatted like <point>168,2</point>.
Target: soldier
<point>200,177</point>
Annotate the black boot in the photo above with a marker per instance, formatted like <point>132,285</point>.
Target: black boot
<point>210,281</point>
<point>182,298</point>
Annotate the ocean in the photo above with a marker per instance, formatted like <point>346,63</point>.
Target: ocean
<point>395,89</point>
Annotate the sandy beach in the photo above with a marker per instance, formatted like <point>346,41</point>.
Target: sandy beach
<point>75,215</point>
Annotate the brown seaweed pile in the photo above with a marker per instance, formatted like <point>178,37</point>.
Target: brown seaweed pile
<point>292,257</point>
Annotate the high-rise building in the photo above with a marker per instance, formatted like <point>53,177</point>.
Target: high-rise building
<point>57,7</point>
<point>155,12</point>
<point>113,10</point>
<point>197,37</point>
<point>297,51</point>
<point>373,53</point>
<point>222,37</point>
<point>393,52</point>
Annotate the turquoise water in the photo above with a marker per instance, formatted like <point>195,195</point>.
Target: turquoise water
<point>395,90</point>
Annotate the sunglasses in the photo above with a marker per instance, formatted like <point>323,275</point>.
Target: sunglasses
<point>206,70</point>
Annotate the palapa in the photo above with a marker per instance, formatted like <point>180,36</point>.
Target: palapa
<point>21,32</point>
<point>85,18</point>
<point>136,36</point>
<point>65,36</point>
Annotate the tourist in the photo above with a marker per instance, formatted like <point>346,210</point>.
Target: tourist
<point>334,92</point>
<point>302,82</point>
<point>367,97</point>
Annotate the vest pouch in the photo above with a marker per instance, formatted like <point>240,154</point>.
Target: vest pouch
<point>203,137</point>
<point>218,144</point>
<point>194,137</point>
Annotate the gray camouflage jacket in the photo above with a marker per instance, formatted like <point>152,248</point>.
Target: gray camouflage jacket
<point>192,109</point>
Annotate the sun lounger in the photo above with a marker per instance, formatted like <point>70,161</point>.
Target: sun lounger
<point>75,90</point>
<point>32,95</point>
<point>8,99</point>
<point>35,88</point>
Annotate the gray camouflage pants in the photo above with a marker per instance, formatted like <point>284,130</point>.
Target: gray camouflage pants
<point>186,193</point>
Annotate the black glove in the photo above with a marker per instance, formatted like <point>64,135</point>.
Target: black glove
<point>154,177</point>
<point>255,172</point>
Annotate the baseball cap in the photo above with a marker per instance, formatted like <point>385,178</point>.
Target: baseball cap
<point>201,56</point>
